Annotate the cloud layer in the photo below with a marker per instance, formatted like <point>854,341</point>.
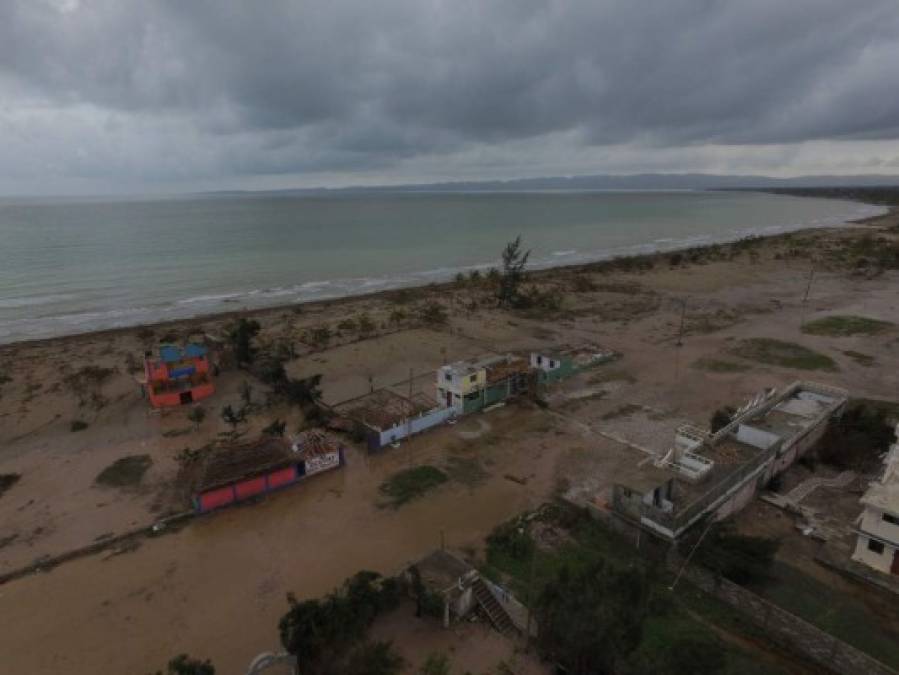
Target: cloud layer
<point>115,96</point>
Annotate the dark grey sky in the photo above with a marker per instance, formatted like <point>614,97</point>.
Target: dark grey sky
<point>118,96</point>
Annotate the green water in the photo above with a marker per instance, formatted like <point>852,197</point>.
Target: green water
<point>68,267</point>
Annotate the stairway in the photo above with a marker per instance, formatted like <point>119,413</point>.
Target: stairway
<point>494,611</point>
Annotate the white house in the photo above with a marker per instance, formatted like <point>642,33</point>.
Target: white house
<point>878,526</point>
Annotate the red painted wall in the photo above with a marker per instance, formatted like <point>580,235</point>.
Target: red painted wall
<point>215,499</point>
<point>250,488</point>
<point>282,477</point>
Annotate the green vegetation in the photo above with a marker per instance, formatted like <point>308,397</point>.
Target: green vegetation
<point>7,480</point>
<point>843,326</point>
<point>433,314</point>
<point>720,366</point>
<point>740,558</point>
<point>233,417</point>
<point>410,484</point>
<point>241,336</point>
<point>196,415</point>
<point>87,384</point>
<point>514,261</point>
<point>78,425</point>
<point>185,665</point>
<point>721,418</point>
<point>325,634</point>
<point>125,472</point>
<point>372,658</point>
<point>785,354</point>
<point>840,613</point>
<point>858,438</point>
<point>275,429</point>
<point>591,619</point>
<point>671,624</point>
<point>861,359</point>
<point>435,664</point>
<point>624,410</point>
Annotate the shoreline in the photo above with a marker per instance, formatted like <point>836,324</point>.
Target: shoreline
<point>422,291</point>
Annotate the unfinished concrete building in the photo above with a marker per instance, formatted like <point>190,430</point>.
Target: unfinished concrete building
<point>714,475</point>
<point>878,525</point>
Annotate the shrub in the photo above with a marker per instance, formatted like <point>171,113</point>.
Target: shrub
<point>185,665</point>
<point>366,325</point>
<point>397,317</point>
<point>7,480</point>
<point>410,484</point>
<point>241,336</point>
<point>841,326</point>
<point>276,428</point>
<point>785,354</point>
<point>197,415</point>
<point>433,314</point>
<point>740,558</point>
<point>125,472</point>
<point>511,539</point>
<point>320,633</point>
<point>78,425</point>
<point>721,418</point>
<point>857,439</point>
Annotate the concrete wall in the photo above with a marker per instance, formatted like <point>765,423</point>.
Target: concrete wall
<point>418,424</point>
<point>882,562</point>
<point>872,522</point>
<point>517,612</point>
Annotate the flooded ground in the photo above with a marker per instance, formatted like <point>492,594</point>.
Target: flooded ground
<point>217,587</point>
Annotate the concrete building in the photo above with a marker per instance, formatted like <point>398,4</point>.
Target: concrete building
<point>553,365</point>
<point>469,386</point>
<point>388,417</point>
<point>717,474</point>
<point>878,525</point>
<point>229,474</point>
<point>178,377</point>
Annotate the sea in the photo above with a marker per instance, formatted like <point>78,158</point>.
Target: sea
<point>76,265</point>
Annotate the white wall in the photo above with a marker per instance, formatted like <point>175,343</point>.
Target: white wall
<point>882,562</point>
<point>419,424</point>
<point>872,521</point>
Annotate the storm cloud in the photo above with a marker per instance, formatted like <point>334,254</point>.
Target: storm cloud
<point>114,96</point>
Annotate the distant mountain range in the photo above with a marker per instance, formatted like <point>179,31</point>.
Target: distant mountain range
<point>646,181</point>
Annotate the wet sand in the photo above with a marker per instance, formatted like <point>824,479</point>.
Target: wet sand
<point>217,588</point>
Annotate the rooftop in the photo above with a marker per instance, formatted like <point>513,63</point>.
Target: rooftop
<point>470,366</point>
<point>314,442</point>
<point>502,370</point>
<point>229,463</point>
<point>442,570</point>
<point>384,409</point>
<point>580,355</point>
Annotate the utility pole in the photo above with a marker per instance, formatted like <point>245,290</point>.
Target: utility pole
<point>683,316</point>
<point>409,417</point>
<point>808,288</point>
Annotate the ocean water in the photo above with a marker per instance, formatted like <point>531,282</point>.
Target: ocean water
<point>80,265</point>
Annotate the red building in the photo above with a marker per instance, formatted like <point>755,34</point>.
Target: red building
<point>239,472</point>
<point>179,377</point>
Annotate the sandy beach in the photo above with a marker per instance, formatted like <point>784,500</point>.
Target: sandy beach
<point>217,587</point>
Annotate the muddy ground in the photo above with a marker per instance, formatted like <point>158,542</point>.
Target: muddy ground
<point>217,587</point>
